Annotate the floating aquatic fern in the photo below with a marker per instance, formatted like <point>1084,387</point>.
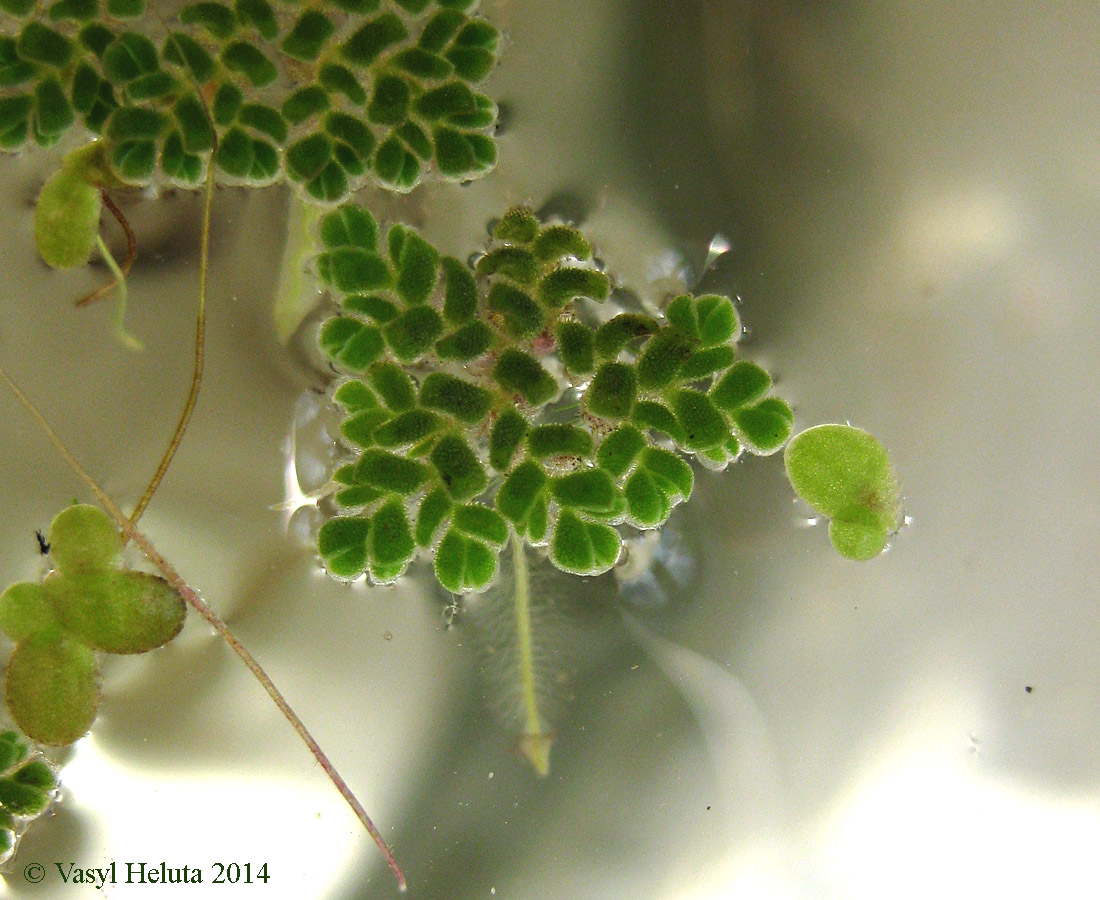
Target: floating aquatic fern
<point>495,405</point>
<point>324,95</point>
<point>485,402</point>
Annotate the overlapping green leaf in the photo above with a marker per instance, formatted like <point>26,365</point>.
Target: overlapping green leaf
<point>87,604</point>
<point>845,474</point>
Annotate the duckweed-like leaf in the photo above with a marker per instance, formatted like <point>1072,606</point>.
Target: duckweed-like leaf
<point>25,609</point>
<point>116,611</point>
<point>66,220</point>
<point>846,474</point>
<point>83,538</point>
<point>52,687</point>
<point>86,604</point>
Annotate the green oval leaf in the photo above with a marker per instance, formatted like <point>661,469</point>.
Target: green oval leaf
<point>52,689</point>
<point>66,220</point>
<point>846,474</point>
<point>117,611</point>
<point>83,537</point>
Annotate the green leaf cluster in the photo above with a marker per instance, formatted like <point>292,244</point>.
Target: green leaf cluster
<point>452,394</point>
<point>324,95</point>
<point>87,605</point>
<point>27,787</point>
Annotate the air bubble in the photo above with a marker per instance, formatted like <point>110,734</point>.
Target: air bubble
<point>719,246</point>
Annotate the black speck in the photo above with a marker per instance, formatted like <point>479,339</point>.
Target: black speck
<point>43,544</point>
<point>1028,688</point>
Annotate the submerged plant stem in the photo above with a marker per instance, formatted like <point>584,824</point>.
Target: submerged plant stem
<point>131,252</point>
<point>128,340</point>
<point>534,741</point>
<point>196,372</point>
<point>199,605</point>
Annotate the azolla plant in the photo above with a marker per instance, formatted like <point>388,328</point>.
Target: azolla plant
<point>507,403</point>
